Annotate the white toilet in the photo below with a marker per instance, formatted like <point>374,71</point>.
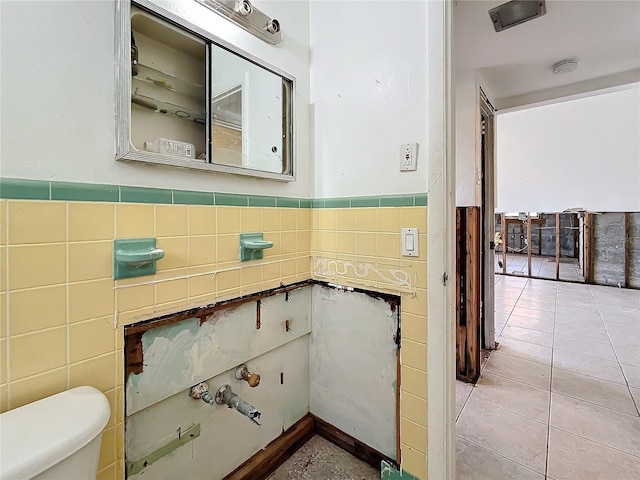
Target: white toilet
<point>54,438</point>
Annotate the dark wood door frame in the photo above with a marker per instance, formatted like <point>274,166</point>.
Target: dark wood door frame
<point>487,211</point>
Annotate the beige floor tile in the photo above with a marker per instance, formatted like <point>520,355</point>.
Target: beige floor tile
<point>635,392</point>
<point>528,335</point>
<point>477,463</point>
<point>632,375</point>
<point>628,355</point>
<point>592,366</point>
<point>608,394</point>
<point>515,397</point>
<point>531,323</point>
<point>518,369</point>
<point>463,390</point>
<point>578,321</point>
<point>528,351</point>
<point>519,439</point>
<point>585,347</point>
<point>583,332</point>
<point>576,458</point>
<point>547,306</point>
<point>531,313</point>
<point>503,309</point>
<point>600,424</point>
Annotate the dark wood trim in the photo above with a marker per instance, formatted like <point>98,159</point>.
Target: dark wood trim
<point>468,294</point>
<point>265,462</point>
<point>352,445</point>
<point>557,246</point>
<point>203,312</point>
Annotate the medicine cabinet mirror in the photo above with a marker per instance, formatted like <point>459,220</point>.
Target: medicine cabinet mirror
<point>188,99</point>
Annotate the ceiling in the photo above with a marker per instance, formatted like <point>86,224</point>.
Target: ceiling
<point>515,64</point>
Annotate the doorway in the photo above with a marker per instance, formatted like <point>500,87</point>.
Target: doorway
<point>487,214</point>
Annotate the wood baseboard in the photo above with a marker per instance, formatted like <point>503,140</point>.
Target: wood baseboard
<point>348,443</point>
<point>267,460</point>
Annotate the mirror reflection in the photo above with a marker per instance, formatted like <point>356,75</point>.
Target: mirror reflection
<point>248,113</point>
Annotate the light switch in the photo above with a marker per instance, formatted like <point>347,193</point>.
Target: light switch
<point>409,242</point>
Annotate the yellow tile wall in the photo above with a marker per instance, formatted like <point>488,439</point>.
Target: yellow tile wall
<point>62,314</point>
<point>372,236</point>
<point>58,298</point>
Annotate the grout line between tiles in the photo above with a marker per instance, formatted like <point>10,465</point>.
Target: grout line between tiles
<point>66,292</point>
<point>546,461</point>
<point>624,376</point>
<point>595,441</point>
<point>509,411</point>
<point>501,455</point>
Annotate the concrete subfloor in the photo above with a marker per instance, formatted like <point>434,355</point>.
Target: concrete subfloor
<point>319,459</point>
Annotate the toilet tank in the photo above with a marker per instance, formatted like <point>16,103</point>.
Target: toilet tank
<point>56,437</point>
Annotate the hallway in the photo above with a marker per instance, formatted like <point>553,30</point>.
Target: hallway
<point>560,398</point>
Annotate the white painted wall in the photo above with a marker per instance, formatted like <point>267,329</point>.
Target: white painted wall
<point>467,118</point>
<point>582,153</point>
<point>58,95</point>
<point>369,95</point>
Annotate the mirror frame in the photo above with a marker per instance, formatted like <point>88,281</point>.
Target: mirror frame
<point>125,151</point>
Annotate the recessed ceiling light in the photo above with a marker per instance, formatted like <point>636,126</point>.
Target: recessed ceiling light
<point>565,66</point>
<point>516,12</point>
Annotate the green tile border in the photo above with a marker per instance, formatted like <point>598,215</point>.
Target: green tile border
<point>84,192</point>
<point>145,195</point>
<point>25,189</point>
<point>185,197</point>
<point>15,188</point>
<point>255,201</point>
<point>231,200</point>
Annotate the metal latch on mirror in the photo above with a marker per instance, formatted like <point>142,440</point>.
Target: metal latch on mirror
<point>248,17</point>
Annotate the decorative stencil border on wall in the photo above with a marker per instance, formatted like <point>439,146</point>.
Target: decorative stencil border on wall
<point>402,279</point>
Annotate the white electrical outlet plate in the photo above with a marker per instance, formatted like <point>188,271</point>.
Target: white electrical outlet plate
<point>408,157</point>
<point>409,237</point>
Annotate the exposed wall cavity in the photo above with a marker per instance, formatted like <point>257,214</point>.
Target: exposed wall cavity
<point>180,355</point>
<point>353,365</point>
<point>616,249</point>
<point>353,382</point>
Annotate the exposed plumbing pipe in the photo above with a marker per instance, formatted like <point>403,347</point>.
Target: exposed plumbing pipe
<point>225,396</point>
<point>201,392</point>
<point>243,373</point>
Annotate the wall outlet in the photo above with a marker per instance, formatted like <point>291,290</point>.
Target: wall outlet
<point>408,157</point>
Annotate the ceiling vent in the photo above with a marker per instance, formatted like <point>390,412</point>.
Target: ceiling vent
<point>516,12</point>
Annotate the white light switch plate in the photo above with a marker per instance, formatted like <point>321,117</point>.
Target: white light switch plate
<point>409,238</point>
<point>408,157</point>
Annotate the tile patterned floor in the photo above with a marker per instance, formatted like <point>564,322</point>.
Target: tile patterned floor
<point>560,398</point>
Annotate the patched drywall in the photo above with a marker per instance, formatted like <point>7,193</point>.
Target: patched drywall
<point>180,355</point>
<point>353,365</point>
<point>226,438</point>
<point>351,355</point>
